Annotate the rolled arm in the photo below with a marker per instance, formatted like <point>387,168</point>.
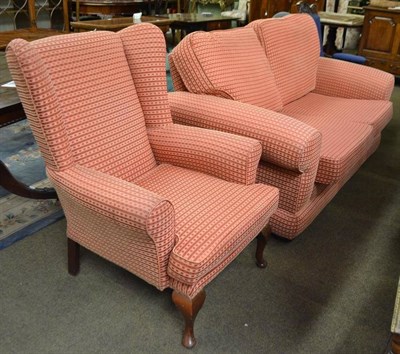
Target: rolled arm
<point>348,80</point>
<point>227,156</point>
<point>115,199</point>
<point>285,142</point>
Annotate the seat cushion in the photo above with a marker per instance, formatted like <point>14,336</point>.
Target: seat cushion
<point>292,46</point>
<point>348,128</point>
<point>214,219</point>
<point>316,107</point>
<point>229,64</point>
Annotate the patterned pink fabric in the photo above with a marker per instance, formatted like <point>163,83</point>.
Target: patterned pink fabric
<point>291,44</point>
<point>200,150</point>
<point>346,104</point>
<point>290,225</point>
<point>295,188</point>
<point>155,221</point>
<point>202,224</point>
<point>118,220</point>
<point>176,79</point>
<point>229,64</point>
<point>145,51</point>
<point>101,113</point>
<point>35,87</point>
<point>286,142</point>
<point>314,108</point>
<point>343,79</point>
<point>347,127</point>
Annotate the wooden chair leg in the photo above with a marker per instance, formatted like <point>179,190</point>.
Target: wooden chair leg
<point>73,257</point>
<point>262,240</point>
<point>396,343</point>
<point>189,309</point>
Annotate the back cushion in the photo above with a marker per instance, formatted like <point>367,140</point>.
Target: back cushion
<point>292,46</point>
<point>99,107</point>
<point>229,64</point>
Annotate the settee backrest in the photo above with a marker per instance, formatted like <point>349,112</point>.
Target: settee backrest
<point>230,64</point>
<point>80,97</point>
<point>292,46</point>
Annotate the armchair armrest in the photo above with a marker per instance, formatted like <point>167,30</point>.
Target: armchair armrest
<point>118,200</point>
<point>285,141</point>
<point>227,156</point>
<point>348,80</point>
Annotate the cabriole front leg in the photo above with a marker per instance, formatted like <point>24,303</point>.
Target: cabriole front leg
<point>189,309</point>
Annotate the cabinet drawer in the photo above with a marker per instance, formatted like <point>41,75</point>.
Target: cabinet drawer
<point>385,65</point>
<point>378,63</point>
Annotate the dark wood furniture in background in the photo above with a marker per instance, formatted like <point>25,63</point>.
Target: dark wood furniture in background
<point>190,22</point>
<point>30,28</point>
<point>11,111</point>
<point>335,21</point>
<point>112,8</point>
<point>268,8</point>
<point>380,40</point>
<point>118,23</point>
<point>223,4</point>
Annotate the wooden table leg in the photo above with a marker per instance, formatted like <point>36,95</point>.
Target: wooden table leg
<point>330,46</point>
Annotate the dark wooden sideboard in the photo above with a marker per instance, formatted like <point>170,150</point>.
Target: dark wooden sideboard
<point>380,40</point>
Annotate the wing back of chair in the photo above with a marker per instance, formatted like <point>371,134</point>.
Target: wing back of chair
<point>145,50</point>
<point>90,113</point>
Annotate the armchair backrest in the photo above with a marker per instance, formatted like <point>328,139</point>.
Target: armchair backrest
<point>84,102</point>
<point>292,45</point>
<point>229,64</point>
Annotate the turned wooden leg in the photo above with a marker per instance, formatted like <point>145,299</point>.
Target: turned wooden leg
<point>73,257</point>
<point>396,343</point>
<point>189,309</point>
<point>262,240</point>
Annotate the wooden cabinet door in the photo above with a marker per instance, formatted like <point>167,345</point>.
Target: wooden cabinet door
<point>257,9</point>
<point>381,34</point>
<point>267,8</point>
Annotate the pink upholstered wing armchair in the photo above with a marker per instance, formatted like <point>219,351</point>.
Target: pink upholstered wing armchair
<point>317,119</point>
<point>174,205</point>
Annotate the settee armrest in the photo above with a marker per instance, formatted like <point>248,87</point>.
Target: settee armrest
<point>285,141</point>
<point>227,156</point>
<point>348,80</point>
<point>115,199</point>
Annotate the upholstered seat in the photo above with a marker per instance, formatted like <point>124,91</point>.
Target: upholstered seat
<point>172,204</point>
<point>315,107</point>
<point>317,119</point>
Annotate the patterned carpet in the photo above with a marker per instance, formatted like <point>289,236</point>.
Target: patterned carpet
<point>20,217</point>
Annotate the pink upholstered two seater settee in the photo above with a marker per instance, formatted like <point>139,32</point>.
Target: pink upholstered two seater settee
<point>318,119</point>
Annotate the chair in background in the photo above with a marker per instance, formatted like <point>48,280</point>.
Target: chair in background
<point>311,9</point>
<point>172,204</point>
